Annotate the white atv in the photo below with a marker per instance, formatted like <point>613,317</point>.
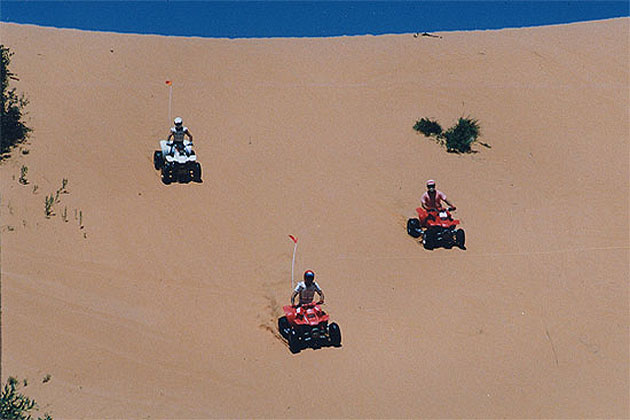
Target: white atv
<point>177,161</point>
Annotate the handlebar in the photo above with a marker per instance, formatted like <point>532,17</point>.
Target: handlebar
<point>308,305</point>
<point>442,209</point>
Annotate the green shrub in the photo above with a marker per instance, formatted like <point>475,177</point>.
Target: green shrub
<point>428,127</point>
<point>462,135</point>
<point>12,130</point>
<point>14,405</point>
<point>457,139</point>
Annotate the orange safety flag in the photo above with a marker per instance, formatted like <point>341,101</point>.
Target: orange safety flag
<point>168,82</point>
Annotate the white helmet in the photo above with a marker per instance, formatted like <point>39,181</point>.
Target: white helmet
<point>177,121</point>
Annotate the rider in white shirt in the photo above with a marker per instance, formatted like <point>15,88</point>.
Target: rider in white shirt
<point>307,289</point>
<point>178,132</point>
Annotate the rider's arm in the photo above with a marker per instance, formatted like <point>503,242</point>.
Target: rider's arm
<point>293,296</point>
<point>170,136</point>
<point>446,201</point>
<point>318,290</point>
<point>321,295</point>
<point>189,135</point>
<point>425,203</point>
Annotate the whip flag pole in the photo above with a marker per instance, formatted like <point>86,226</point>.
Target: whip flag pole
<point>294,239</point>
<point>170,99</point>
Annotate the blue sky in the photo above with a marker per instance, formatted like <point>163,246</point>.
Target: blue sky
<point>244,19</point>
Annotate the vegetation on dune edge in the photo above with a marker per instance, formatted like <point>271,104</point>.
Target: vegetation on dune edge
<point>13,131</point>
<point>16,406</point>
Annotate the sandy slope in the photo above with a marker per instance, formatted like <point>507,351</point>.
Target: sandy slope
<point>164,304</point>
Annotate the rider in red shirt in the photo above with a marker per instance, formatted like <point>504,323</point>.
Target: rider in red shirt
<point>432,200</point>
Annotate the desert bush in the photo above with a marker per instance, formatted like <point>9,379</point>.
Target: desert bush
<point>428,127</point>
<point>14,405</point>
<point>462,135</point>
<point>457,139</point>
<point>12,129</point>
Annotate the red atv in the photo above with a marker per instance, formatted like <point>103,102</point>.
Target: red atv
<point>439,229</point>
<point>307,326</point>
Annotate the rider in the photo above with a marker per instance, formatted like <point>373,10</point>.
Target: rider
<point>177,134</point>
<point>432,200</point>
<point>307,290</point>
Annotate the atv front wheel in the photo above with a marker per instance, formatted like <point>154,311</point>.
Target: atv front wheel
<point>334,332</point>
<point>413,228</point>
<point>158,160</point>
<point>283,327</point>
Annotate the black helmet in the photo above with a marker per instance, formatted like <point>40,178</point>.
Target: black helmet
<point>309,275</point>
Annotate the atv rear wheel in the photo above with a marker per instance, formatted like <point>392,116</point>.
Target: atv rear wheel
<point>167,175</point>
<point>460,238</point>
<point>184,175</point>
<point>283,327</point>
<point>413,228</point>
<point>196,172</point>
<point>334,332</point>
<point>430,238</point>
<point>294,342</point>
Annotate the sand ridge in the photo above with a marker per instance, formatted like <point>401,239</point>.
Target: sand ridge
<point>164,304</point>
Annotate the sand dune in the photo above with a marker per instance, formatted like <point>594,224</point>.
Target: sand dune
<point>164,304</point>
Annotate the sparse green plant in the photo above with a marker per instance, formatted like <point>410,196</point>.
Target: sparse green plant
<point>457,139</point>
<point>80,219</point>
<point>49,201</point>
<point>46,378</point>
<point>428,127</point>
<point>64,215</point>
<point>35,188</point>
<point>23,172</point>
<point>14,405</point>
<point>462,135</point>
<point>12,129</point>
<point>64,184</point>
